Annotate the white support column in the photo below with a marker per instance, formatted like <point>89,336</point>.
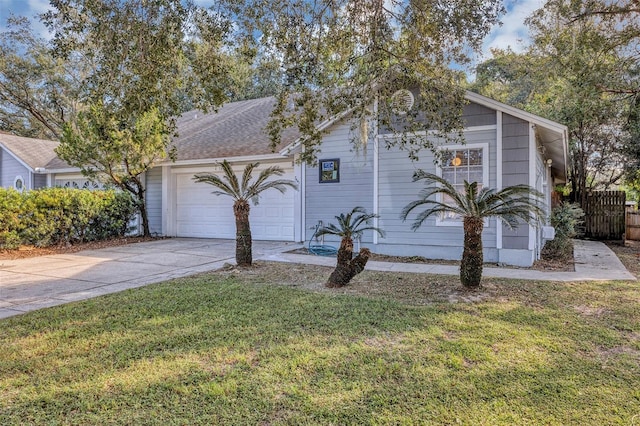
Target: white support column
<point>532,177</point>
<point>498,173</point>
<point>298,201</point>
<point>303,199</point>
<point>376,177</point>
<point>167,227</point>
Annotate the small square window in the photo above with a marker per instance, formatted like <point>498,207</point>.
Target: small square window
<point>330,170</point>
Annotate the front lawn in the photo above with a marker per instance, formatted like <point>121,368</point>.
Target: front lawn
<point>233,348</point>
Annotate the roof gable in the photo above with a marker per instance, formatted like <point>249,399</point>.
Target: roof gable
<point>33,153</point>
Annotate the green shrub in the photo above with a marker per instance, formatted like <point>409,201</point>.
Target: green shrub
<point>11,205</point>
<point>52,216</point>
<point>566,219</point>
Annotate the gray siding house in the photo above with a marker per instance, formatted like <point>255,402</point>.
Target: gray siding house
<point>503,146</point>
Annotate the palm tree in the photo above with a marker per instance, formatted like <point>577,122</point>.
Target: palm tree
<point>241,192</point>
<point>351,225</point>
<point>511,204</point>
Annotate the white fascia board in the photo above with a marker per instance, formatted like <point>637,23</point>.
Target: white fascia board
<point>263,157</point>
<point>516,112</point>
<point>295,145</point>
<point>67,170</point>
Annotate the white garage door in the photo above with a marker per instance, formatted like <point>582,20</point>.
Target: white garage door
<point>201,214</point>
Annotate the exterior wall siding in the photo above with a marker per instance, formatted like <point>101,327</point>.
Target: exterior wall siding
<point>472,115</point>
<point>396,190</point>
<point>324,201</point>
<point>154,199</point>
<point>515,171</point>
<point>478,115</point>
<point>10,168</point>
<point>39,181</point>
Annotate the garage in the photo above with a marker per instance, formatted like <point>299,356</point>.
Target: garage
<point>201,214</point>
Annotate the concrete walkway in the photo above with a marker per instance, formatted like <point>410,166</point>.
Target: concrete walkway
<point>30,284</point>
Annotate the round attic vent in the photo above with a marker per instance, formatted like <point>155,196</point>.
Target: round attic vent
<point>402,101</point>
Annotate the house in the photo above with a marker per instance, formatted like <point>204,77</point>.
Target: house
<point>27,163</point>
<point>504,146</point>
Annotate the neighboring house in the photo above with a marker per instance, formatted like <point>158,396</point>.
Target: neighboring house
<point>23,161</point>
<point>504,146</point>
<point>27,163</point>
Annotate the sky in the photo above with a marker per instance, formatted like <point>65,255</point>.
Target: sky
<point>511,33</point>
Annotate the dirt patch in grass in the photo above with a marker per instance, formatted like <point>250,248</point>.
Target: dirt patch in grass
<point>31,251</point>
<point>629,254</point>
<point>408,288</point>
<point>540,265</point>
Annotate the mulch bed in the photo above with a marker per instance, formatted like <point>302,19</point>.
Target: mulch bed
<point>31,251</point>
<point>540,265</point>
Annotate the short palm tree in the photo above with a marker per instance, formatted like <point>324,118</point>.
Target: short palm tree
<point>512,205</point>
<point>242,191</point>
<point>350,226</point>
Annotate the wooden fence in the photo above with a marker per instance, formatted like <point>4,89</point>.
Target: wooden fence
<point>605,215</point>
<point>633,224</point>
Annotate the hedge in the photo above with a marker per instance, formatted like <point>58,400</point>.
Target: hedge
<point>53,216</point>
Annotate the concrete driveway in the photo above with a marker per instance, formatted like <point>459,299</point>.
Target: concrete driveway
<point>30,284</point>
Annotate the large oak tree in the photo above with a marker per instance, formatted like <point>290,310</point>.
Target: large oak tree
<point>150,60</point>
<point>353,55</point>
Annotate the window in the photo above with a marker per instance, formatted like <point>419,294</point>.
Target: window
<point>18,183</point>
<point>330,170</point>
<point>460,164</point>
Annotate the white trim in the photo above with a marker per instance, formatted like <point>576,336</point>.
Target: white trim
<point>220,159</point>
<point>485,175</point>
<point>166,213</point>
<point>532,177</point>
<point>303,199</point>
<point>298,225</point>
<point>50,180</point>
<point>376,172</point>
<point>526,116</point>
<point>498,173</point>
<point>288,150</point>
<point>23,187</point>
<point>60,171</point>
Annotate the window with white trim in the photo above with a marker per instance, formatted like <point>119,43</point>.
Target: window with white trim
<point>462,163</point>
<point>18,183</point>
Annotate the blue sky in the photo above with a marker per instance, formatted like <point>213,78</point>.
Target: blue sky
<point>511,33</point>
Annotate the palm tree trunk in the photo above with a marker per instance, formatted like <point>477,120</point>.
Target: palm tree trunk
<point>244,256</point>
<point>347,267</point>
<point>472,256</point>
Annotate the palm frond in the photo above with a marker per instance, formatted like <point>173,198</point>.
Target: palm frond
<point>513,204</point>
<point>351,224</point>
<point>217,182</point>
<point>246,176</point>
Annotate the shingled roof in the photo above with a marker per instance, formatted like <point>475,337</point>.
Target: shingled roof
<point>238,129</point>
<point>34,153</point>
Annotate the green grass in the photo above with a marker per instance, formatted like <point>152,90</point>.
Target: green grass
<point>219,349</point>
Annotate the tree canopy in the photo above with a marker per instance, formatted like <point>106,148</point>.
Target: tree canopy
<point>581,70</point>
<point>339,56</point>
<point>38,93</point>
